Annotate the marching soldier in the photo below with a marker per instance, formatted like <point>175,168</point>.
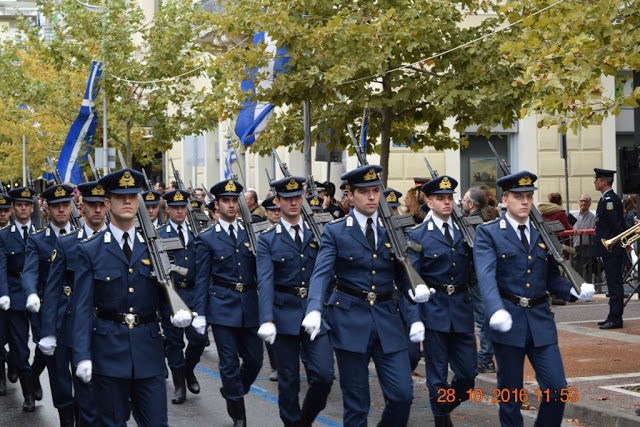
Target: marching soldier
<point>183,364</point>
<point>271,209</point>
<point>117,340</point>
<point>316,202</point>
<point>285,260</point>
<point>362,312</point>
<point>515,272</point>
<point>152,202</point>
<point>393,199</point>
<point>57,312</point>
<point>5,217</point>
<point>226,268</point>
<point>444,263</point>
<point>5,210</point>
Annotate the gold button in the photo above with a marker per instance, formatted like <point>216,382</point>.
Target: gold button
<point>130,326</point>
<point>452,278</point>
<point>304,269</point>
<point>375,255</point>
<point>131,270</point>
<point>454,264</point>
<point>240,277</point>
<point>453,249</point>
<point>435,255</point>
<point>528,271</point>
<point>221,257</point>
<point>528,285</point>
<point>373,287</point>
<point>282,259</point>
<point>130,290</point>
<point>338,303</point>
<point>350,258</point>
<point>186,258</point>
<point>504,256</point>
<point>130,309</point>
<point>530,257</point>
<point>370,302</point>
<point>237,251</point>
<point>302,283</point>
<point>373,272</point>
<point>301,255</point>
<point>186,248</point>
<point>108,278</point>
<point>239,264</point>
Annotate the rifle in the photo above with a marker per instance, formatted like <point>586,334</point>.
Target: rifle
<point>191,216</point>
<point>271,187</point>
<point>395,228</point>
<point>554,246</point>
<point>315,222</point>
<point>464,224</point>
<point>253,228</point>
<point>74,218</point>
<point>38,222</point>
<point>97,175</point>
<point>311,185</point>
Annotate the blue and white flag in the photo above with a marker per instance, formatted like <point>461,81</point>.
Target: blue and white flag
<point>253,116</point>
<point>80,137</point>
<point>363,130</point>
<point>229,159</point>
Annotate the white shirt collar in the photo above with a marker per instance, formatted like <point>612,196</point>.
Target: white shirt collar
<point>362,219</point>
<point>439,223</point>
<point>88,232</point>
<point>515,225</point>
<point>28,225</point>
<point>56,230</point>
<point>225,225</point>
<point>117,234</point>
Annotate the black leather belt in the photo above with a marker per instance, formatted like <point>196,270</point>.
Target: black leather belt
<point>371,297</point>
<point>523,301</point>
<point>239,287</point>
<point>301,291</point>
<point>449,289</point>
<point>185,285</point>
<point>129,319</point>
<point>67,291</point>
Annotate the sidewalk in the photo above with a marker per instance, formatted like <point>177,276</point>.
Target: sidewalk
<point>602,366</point>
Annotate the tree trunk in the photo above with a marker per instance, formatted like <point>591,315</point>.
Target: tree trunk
<point>385,134</point>
<point>128,152</point>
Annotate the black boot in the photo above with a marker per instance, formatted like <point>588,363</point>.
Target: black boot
<point>29,404</point>
<point>180,392</point>
<point>442,421</point>
<point>12,373</point>
<point>37,367</point>
<point>3,380</point>
<point>66,416</point>
<point>237,412</point>
<point>192,382</point>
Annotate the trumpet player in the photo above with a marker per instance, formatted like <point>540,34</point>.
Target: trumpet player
<point>610,223</point>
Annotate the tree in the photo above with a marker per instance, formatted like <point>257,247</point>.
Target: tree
<point>560,55</point>
<point>151,71</point>
<point>345,55</point>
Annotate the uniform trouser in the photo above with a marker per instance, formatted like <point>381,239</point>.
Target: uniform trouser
<point>319,365</point>
<point>444,349</point>
<point>174,344</point>
<point>19,341</point>
<point>547,363</point>
<point>117,396</point>
<point>613,273</point>
<point>4,335</point>
<point>485,354</point>
<point>395,379</point>
<point>234,344</point>
<point>35,319</point>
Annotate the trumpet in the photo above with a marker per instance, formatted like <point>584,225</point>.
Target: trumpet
<point>626,238</point>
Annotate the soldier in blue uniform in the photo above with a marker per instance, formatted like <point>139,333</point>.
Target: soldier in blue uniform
<point>39,252</point>
<point>363,312</point>
<point>515,271</point>
<point>610,223</point>
<point>393,199</point>
<point>227,270</point>
<point>182,364</point>
<point>271,209</point>
<point>444,263</point>
<point>152,202</point>
<point>5,301</point>
<point>57,316</point>
<point>285,259</point>
<point>116,335</point>
<point>13,241</point>
<point>315,202</point>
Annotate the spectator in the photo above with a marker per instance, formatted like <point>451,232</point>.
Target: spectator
<point>412,205</point>
<point>583,259</point>
<point>629,211</point>
<point>160,187</point>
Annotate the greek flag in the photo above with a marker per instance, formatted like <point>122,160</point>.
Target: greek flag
<point>229,159</point>
<point>80,137</point>
<point>253,116</point>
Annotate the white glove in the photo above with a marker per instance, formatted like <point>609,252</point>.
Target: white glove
<point>200,324</point>
<point>48,345</point>
<point>311,323</point>
<point>33,303</point>
<point>267,332</point>
<point>501,321</point>
<point>586,291</point>
<point>416,332</point>
<point>5,302</point>
<point>422,293</point>
<point>181,319</point>
<point>84,370</point>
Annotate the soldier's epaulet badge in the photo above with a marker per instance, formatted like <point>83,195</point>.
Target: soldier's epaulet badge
<point>107,237</point>
<point>218,228</point>
<point>40,231</point>
<point>271,228</point>
<point>335,221</point>
<point>13,228</point>
<point>349,221</point>
<point>206,229</point>
<point>278,228</point>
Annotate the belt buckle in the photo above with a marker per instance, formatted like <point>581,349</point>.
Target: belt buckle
<point>371,297</point>
<point>66,290</point>
<point>131,320</point>
<point>182,285</point>
<point>239,287</point>
<point>302,292</point>
<point>451,289</point>
<point>525,302</point>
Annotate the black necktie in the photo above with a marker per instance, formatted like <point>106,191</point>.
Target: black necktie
<point>447,234</point>
<point>125,247</point>
<point>232,234</point>
<point>180,235</point>
<point>371,237</point>
<point>25,233</point>
<point>296,230</point>
<point>523,237</point>
<point>63,231</point>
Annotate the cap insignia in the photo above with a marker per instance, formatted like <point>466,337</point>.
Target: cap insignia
<point>370,176</point>
<point>98,190</point>
<point>392,197</point>
<point>60,192</point>
<point>3,201</point>
<point>194,204</point>
<point>178,197</point>
<point>292,185</point>
<point>150,197</point>
<point>315,201</point>
<point>445,184</point>
<point>26,193</point>
<point>231,186</point>
<point>127,180</point>
<point>525,181</point>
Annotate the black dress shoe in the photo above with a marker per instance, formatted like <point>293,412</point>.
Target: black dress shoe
<point>611,325</point>
<point>602,322</point>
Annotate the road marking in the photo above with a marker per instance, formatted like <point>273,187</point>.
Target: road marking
<point>604,377</point>
<point>618,336</point>
<point>619,389</point>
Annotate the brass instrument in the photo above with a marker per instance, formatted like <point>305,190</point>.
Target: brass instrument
<point>626,238</point>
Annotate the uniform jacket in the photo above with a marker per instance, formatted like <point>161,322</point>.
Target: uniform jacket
<point>609,223</point>
<point>40,246</point>
<point>502,264</point>
<point>345,256</point>
<point>12,258</point>
<point>443,264</point>
<point>217,258</point>
<point>279,262</point>
<point>185,258</point>
<point>106,279</point>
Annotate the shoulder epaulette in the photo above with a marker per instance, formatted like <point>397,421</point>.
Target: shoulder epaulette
<point>71,233</point>
<point>39,231</point>
<point>271,228</point>
<point>417,226</point>
<point>94,235</point>
<point>344,218</point>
